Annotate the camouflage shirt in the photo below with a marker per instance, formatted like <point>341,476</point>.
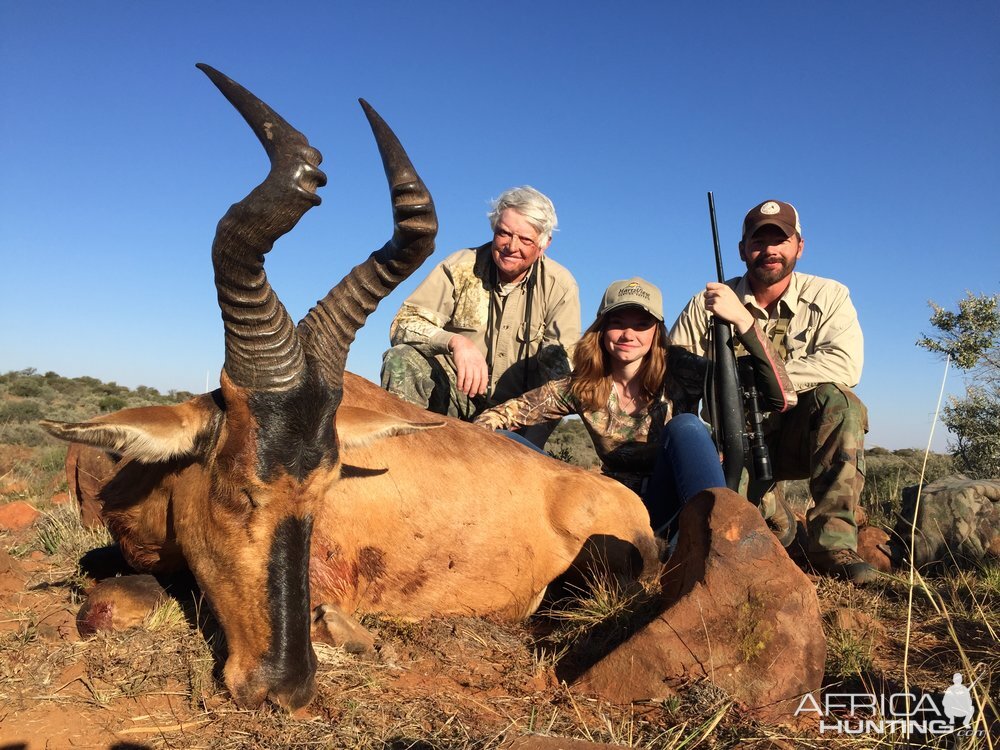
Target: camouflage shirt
<point>627,443</point>
<point>456,297</point>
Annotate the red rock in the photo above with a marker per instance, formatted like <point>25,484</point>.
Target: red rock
<point>873,544</point>
<point>17,516</point>
<point>735,610</point>
<point>119,604</point>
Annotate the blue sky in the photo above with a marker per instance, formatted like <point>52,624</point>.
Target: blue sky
<point>878,120</point>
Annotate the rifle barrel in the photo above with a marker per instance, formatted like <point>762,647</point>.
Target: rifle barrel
<point>728,415</point>
<point>715,239</point>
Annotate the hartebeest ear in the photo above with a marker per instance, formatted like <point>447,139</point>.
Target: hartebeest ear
<point>148,434</point>
<point>357,428</point>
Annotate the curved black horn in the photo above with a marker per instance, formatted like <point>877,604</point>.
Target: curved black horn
<point>262,348</point>
<point>330,327</point>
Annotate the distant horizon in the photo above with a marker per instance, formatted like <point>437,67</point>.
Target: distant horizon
<point>166,392</point>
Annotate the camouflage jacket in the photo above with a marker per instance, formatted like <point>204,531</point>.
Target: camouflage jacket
<point>456,297</point>
<point>627,443</point>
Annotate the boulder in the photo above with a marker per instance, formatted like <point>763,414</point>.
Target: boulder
<point>17,515</point>
<point>734,610</point>
<point>119,604</point>
<point>958,520</point>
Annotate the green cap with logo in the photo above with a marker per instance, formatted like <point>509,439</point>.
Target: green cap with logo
<point>634,292</point>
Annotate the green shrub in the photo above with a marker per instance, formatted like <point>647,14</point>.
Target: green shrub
<point>111,403</point>
<point>20,411</point>
<point>26,387</point>
<point>570,442</point>
<point>26,434</point>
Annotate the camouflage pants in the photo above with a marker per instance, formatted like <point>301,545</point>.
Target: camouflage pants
<point>822,439</point>
<point>417,375</point>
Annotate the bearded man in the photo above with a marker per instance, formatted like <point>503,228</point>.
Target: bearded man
<point>815,329</point>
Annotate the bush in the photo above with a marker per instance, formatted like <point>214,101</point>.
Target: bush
<point>111,403</point>
<point>20,411</point>
<point>26,387</point>
<point>29,435</point>
<point>971,339</point>
<point>570,442</point>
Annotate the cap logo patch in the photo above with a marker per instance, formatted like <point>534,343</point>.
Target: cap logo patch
<point>633,290</point>
<point>770,208</point>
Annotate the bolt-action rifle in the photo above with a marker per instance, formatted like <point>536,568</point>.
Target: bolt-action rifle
<point>737,431</point>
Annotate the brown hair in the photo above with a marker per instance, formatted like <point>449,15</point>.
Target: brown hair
<point>591,385</point>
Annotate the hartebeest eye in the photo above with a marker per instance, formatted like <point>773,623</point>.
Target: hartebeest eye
<point>249,498</point>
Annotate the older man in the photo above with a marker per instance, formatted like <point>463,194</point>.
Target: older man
<point>815,328</point>
<point>488,323</point>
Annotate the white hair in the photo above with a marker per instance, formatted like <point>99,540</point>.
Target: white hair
<point>534,206</point>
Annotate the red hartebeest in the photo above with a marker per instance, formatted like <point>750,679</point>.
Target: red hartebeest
<point>270,489</point>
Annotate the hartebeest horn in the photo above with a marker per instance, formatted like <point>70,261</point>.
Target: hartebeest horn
<point>262,348</point>
<point>330,327</point>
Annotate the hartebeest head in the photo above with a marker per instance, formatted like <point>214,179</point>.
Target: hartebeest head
<point>265,444</point>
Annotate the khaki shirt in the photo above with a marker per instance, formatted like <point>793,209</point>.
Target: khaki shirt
<point>455,298</point>
<point>823,341</point>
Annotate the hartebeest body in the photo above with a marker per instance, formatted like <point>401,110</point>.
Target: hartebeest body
<point>270,489</point>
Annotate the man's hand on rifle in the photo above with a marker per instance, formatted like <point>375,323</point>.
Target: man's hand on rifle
<point>723,303</point>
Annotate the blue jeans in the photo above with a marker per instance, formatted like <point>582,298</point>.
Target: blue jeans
<point>686,464</point>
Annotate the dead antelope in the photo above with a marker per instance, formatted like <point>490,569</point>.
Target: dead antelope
<point>273,490</point>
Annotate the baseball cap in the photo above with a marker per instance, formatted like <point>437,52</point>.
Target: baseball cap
<point>782,215</point>
<point>636,292</point>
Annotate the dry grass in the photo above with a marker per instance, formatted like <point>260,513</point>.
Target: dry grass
<point>454,683</point>
<point>466,683</point>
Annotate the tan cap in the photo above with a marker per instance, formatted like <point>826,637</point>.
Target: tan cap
<point>635,292</point>
<point>782,215</point>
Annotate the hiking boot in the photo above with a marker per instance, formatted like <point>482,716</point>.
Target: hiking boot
<point>845,564</point>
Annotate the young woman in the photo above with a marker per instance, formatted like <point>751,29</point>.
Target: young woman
<point>638,397</point>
